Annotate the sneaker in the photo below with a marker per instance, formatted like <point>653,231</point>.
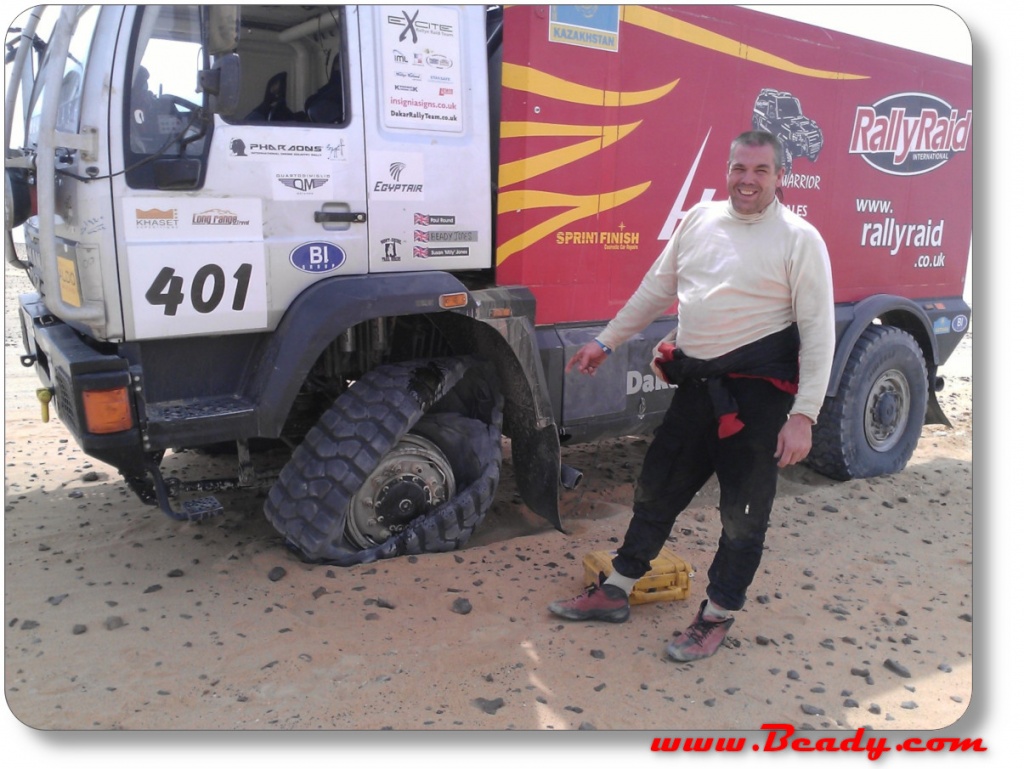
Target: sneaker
<point>606,603</point>
<point>701,639</point>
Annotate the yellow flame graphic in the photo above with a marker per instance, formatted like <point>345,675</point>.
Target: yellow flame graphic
<point>661,23</point>
<point>594,138</point>
<point>578,207</point>
<point>598,137</point>
<point>520,78</point>
<point>527,168</point>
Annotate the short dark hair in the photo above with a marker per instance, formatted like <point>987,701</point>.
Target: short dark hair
<point>759,139</point>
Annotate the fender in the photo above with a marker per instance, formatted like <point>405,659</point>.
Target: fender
<point>326,309</point>
<point>318,316</point>
<point>851,320</point>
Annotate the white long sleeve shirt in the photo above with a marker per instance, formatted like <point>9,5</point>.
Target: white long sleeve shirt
<point>737,279</point>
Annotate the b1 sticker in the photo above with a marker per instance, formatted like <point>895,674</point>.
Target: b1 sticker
<point>184,290</point>
<point>317,257</point>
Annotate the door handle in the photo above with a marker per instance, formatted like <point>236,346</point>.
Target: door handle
<point>338,217</point>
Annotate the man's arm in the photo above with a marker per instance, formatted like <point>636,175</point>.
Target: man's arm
<point>814,307</point>
<point>656,292</point>
<point>814,311</point>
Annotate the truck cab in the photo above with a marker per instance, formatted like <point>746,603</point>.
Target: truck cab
<point>244,209</point>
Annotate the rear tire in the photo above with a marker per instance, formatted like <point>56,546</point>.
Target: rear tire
<point>873,423</point>
<point>375,478</point>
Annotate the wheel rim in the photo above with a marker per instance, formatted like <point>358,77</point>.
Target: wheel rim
<point>887,411</point>
<point>411,479</point>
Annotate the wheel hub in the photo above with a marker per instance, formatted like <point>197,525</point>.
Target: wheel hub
<point>887,410</point>
<point>886,413</point>
<point>411,479</point>
<point>403,497</point>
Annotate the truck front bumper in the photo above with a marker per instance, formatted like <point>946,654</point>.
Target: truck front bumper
<point>91,390</point>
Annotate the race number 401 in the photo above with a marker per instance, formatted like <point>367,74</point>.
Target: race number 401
<point>177,293</point>
<point>206,292</point>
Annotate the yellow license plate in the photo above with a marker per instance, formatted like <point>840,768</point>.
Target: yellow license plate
<point>67,272</point>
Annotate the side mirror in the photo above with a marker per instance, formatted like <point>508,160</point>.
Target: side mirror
<point>223,28</point>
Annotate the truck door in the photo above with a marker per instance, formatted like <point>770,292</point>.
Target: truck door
<point>274,198</point>
<point>427,137</point>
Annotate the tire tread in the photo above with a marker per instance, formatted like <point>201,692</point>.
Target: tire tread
<point>309,502</point>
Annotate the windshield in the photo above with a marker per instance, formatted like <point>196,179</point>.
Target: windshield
<point>789,108</point>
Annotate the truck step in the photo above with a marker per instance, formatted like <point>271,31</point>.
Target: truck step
<point>197,420</point>
<point>193,509</point>
<point>202,508</point>
<point>198,408</point>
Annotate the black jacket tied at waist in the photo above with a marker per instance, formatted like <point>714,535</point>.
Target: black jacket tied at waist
<point>775,358</point>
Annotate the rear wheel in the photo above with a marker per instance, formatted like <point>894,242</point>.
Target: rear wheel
<point>872,425</point>
<point>376,477</point>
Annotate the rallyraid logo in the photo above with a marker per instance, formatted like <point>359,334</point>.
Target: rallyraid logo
<point>909,133</point>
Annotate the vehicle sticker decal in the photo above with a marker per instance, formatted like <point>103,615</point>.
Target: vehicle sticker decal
<point>192,219</point>
<point>317,257</point>
<point>179,290</point>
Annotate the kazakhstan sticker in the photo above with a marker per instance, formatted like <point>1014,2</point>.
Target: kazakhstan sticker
<point>589,26</point>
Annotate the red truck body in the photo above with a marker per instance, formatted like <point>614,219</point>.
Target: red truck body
<point>613,124</point>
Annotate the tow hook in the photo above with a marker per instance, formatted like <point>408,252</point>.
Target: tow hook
<point>45,395</point>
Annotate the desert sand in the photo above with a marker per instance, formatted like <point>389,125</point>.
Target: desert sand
<point>119,618</point>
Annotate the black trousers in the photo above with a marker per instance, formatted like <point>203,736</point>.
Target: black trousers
<point>683,454</point>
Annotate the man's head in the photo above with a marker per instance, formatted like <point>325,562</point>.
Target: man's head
<point>755,171</point>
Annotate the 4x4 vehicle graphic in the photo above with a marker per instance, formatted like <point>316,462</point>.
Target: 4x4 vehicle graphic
<point>780,113</point>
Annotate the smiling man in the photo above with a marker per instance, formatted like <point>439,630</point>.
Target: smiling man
<point>751,356</point>
<point>753,177</point>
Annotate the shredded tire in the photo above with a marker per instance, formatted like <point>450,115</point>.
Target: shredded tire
<point>309,503</point>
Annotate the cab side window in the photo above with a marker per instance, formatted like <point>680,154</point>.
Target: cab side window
<point>163,117</point>
<point>293,71</point>
<point>293,65</point>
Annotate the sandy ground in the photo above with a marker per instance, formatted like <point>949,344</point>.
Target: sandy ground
<point>117,617</point>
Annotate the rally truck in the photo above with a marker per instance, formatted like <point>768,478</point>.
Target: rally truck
<point>376,235</point>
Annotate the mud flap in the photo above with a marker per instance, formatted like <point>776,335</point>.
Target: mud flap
<point>934,414</point>
<point>536,455</point>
